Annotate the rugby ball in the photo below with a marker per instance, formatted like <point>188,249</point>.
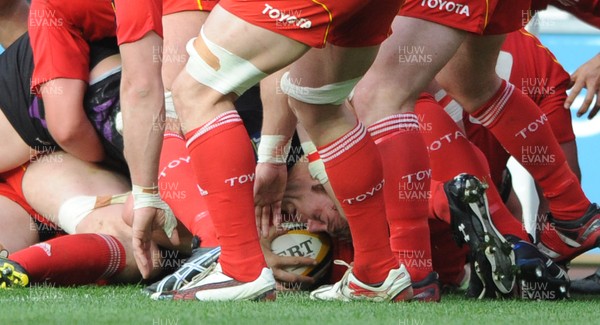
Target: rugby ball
<point>307,244</point>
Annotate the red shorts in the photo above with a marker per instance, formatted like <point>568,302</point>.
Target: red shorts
<point>137,18</point>
<point>539,75</point>
<point>174,6</point>
<point>59,32</point>
<point>560,120</point>
<point>8,192</point>
<point>13,190</point>
<point>348,23</point>
<point>487,17</point>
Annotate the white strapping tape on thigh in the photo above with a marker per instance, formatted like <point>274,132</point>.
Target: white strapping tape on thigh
<point>75,209</point>
<point>331,94</point>
<point>170,106</point>
<point>234,74</point>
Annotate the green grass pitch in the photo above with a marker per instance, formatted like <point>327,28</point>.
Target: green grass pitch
<point>126,305</point>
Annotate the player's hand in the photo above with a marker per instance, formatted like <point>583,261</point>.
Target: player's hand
<point>269,186</point>
<point>586,76</point>
<point>278,264</point>
<point>144,221</point>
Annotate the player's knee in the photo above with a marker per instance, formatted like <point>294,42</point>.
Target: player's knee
<point>73,211</point>
<point>186,94</point>
<point>81,214</point>
<point>220,69</point>
<point>142,87</point>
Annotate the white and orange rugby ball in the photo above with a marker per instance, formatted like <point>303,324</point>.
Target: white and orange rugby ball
<point>306,244</point>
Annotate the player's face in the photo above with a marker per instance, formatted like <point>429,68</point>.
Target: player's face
<point>306,201</point>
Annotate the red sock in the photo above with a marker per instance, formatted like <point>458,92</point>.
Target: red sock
<point>73,259</point>
<point>451,154</point>
<point>406,190</point>
<point>438,205</point>
<point>516,121</point>
<point>180,191</point>
<point>224,164</point>
<point>353,166</point>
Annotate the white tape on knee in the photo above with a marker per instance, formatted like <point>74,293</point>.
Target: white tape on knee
<point>234,73</point>
<point>170,106</point>
<point>332,94</point>
<point>73,210</point>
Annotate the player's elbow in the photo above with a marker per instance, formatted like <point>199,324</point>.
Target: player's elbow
<point>78,139</point>
<point>65,136</point>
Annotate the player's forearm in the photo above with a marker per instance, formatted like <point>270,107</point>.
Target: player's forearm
<point>75,133</point>
<point>143,126</point>
<point>142,105</point>
<point>83,143</point>
<point>278,118</point>
<point>67,120</point>
<point>278,123</point>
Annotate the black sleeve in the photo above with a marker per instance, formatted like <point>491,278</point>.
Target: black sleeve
<point>24,111</point>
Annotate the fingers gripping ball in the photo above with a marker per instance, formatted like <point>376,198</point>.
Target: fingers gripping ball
<point>306,244</point>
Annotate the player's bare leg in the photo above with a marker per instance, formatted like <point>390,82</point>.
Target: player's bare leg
<point>384,100</point>
<point>398,83</point>
<point>508,114</point>
<point>446,40</point>
<point>282,51</point>
<point>102,234</point>
<point>226,172</point>
<point>178,29</point>
<point>344,147</point>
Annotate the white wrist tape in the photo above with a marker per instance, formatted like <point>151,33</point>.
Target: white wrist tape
<point>144,197</point>
<point>316,167</point>
<point>271,150</point>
